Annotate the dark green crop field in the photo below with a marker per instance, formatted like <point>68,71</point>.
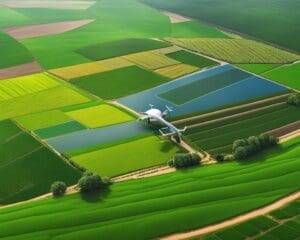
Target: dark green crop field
<point>120,82</point>
<point>157,206</point>
<point>208,137</point>
<point>12,52</point>
<point>192,59</point>
<point>27,168</point>
<point>120,47</point>
<point>272,21</point>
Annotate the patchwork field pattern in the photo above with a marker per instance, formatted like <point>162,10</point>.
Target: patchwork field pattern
<point>286,75</point>
<point>28,166</point>
<point>202,133</point>
<point>85,69</point>
<point>240,88</point>
<point>99,116</point>
<point>175,71</point>
<point>257,68</point>
<point>237,50</point>
<point>120,82</point>
<point>168,203</point>
<point>150,60</point>
<point>128,156</point>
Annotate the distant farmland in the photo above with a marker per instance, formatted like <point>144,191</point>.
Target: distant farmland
<point>271,21</point>
<point>157,206</point>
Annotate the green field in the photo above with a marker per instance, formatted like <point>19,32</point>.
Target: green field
<point>114,20</point>
<point>286,75</point>
<point>257,68</point>
<point>193,29</point>
<point>271,21</point>
<point>43,119</point>
<point>236,50</point>
<point>207,136</point>
<point>120,82</point>
<point>12,52</point>
<point>127,156</point>
<point>192,59</point>
<point>99,116</point>
<point>120,47</point>
<point>28,166</point>
<point>152,207</point>
<point>283,224</point>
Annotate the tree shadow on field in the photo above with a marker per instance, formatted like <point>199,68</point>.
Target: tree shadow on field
<point>95,196</point>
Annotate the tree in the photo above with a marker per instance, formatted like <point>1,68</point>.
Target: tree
<point>238,143</point>
<point>294,99</point>
<point>240,153</point>
<point>90,182</point>
<point>182,160</point>
<point>58,188</point>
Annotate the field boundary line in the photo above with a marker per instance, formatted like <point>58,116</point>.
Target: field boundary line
<point>234,115</point>
<point>235,220</point>
<point>230,108</point>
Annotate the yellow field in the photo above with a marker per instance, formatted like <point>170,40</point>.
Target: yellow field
<point>167,50</point>
<point>150,60</point>
<point>99,116</point>
<point>20,86</point>
<point>85,69</point>
<point>237,50</point>
<point>175,71</point>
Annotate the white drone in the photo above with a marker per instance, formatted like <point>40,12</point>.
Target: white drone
<point>155,115</point>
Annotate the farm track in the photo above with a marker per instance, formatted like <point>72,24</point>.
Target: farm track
<point>230,109</point>
<point>238,219</point>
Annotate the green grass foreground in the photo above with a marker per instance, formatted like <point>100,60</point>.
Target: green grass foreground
<point>148,208</point>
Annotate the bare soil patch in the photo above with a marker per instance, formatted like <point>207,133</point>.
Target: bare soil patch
<point>31,31</point>
<point>23,69</point>
<point>175,18</point>
<point>285,130</point>
<point>47,4</point>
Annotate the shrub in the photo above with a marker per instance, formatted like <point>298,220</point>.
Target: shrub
<point>294,99</point>
<point>90,182</point>
<point>244,148</point>
<point>219,157</point>
<point>58,188</point>
<point>183,160</point>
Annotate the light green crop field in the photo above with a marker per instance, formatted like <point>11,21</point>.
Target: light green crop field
<point>157,206</point>
<point>128,156</point>
<point>257,68</point>
<point>12,52</point>
<point>99,116</point>
<point>193,29</point>
<point>28,166</point>
<point>43,119</point>
<point>119,82</point>
<point>236,50</point>
<point>10,17</point>
<point>20,86</point>
<point>286,75</point>
<point>41,101</point>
